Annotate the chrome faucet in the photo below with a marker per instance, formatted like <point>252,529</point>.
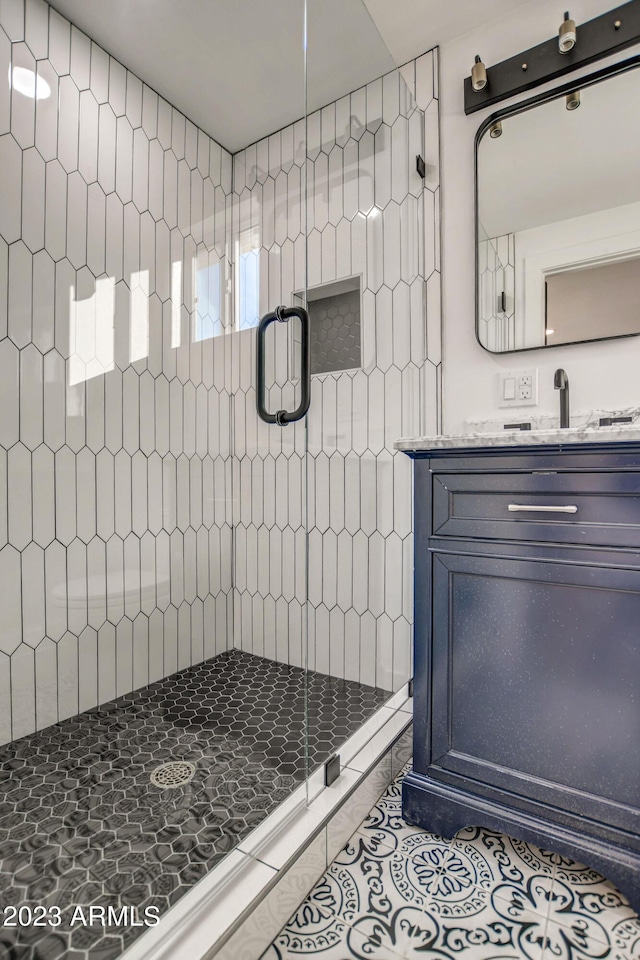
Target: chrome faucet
<point>561,383</point>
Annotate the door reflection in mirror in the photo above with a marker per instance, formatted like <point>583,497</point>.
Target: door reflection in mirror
<point>558,217</point>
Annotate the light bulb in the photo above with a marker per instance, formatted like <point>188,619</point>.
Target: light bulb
<point>572,100</point>
<point>478,75</point>
<point>567,34</point>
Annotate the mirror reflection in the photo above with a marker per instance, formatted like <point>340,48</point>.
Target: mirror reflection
<point>558,219</point>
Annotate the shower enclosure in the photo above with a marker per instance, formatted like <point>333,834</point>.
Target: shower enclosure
<point>198,606</point>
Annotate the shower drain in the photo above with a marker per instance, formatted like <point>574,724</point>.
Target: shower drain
<point>173,774</point>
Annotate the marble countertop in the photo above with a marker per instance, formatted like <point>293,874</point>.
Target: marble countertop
<point>493,434</point>
<point>521,438</point>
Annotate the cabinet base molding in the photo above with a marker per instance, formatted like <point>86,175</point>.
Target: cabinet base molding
<point>444,810</point>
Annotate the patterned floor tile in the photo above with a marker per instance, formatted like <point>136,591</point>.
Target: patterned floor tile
<point>384,824</point>
<point>383,875</point>
<point>396,891</point>
<point>579,937</point>
<point>404,933</point>
<point>594,909</point>
<point>507,860</point>
<point>369,901</point>
<point>595,894</point>
<point>625,939</point>
<point>317,926</point>
<point>373,940</point>
<point>485,933</point>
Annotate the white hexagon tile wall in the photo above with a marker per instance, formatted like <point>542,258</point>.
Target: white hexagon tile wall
<point>115,409</point>
<point>152,521</point>
<point>368,215</point>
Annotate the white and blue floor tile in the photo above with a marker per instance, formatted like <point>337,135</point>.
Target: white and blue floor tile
<point>397,892</point>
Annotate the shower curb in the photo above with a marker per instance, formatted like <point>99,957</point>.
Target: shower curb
<point>240,907</point>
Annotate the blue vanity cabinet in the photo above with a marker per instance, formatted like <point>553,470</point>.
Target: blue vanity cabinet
<point>527,650</point>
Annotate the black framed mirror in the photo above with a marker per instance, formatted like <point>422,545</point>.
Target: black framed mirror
<point>557,182</point>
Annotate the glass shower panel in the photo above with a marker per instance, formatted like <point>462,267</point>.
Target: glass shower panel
<point>198,607</point>
<point>329,229</point>
<point>151,713</point>
<point>365,296</point>
<point>270,556</point>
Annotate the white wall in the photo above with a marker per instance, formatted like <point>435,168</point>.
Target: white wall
<point>602,375</point>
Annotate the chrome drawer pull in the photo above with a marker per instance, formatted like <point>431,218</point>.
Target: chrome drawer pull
<point>537,508</point>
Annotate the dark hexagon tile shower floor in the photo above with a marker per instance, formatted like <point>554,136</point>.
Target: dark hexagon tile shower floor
<point>81,824</point>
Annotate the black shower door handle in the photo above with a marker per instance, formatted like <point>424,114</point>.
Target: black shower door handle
<point>283,417</point>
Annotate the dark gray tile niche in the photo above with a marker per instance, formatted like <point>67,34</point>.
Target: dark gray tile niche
<point>334,312</point>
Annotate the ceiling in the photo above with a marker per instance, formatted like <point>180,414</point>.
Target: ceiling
<point>410,27</point>
<point>235,67</point>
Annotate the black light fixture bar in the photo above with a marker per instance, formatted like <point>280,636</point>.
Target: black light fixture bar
<point>597,38</point>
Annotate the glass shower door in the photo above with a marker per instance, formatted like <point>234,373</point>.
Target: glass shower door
<point>142,577</point>
<point>338,222</point>
<point>198,605</point>
<point>370,383</point>
<point>270,398</point>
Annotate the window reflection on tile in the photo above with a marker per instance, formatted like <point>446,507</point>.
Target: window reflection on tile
<point>91,344</point>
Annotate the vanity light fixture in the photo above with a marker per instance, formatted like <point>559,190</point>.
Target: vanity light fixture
<point>572,100</point>
<point>567,34</point>
<point>478,75</point>
<point>601,37</point>
<point>495,130</point>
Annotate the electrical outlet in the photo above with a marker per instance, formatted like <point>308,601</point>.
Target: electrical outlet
<point>518,388</point>
<point>524,387</point>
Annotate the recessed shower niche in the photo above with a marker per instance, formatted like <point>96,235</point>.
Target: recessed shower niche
<point>334,311</point>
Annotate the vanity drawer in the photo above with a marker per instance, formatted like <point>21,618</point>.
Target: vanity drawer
<point>598,508</point>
